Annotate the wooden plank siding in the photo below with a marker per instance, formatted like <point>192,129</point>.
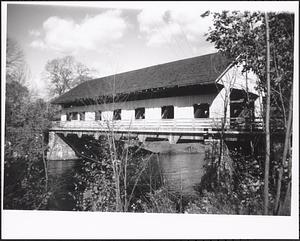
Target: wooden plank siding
<point>178,101</point>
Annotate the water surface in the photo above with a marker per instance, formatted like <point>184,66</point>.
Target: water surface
<point>61,182</point>
<point>181,172</point>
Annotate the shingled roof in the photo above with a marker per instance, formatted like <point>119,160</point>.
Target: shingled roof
<point>201,70</point>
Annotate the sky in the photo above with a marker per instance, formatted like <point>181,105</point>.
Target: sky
<point>109,40</point>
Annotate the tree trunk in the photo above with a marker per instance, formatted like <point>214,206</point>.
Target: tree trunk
<point>45,163</point>
<point>114,161</point>
<point>267,162</point>
<point>285,152</point>
<point>125,182</point>
<point>285,208</point>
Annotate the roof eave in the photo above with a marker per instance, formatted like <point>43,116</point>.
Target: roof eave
<point>57,101</point>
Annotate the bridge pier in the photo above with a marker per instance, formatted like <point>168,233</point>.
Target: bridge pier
<point>173,139</point>
<point>142,138</point>
<point>117,136</point>
<point>58,149</point>
<point>96,135</point>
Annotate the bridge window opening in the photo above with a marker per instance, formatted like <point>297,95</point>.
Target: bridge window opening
<point>167,112</point>
<point>69,116</point>
<point>201,110</point>
<point>82,116</point>
<point>74,115</point>
<point>241,104</point>
<point>139,113</point>
<point>117,114</point>
<point>98,115</point>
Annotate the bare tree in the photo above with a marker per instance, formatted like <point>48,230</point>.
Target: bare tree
<point>120,157</point>
<point>16,67</point>
<point>265,42</point>
<point>228,81</point>
<point>65,73</point>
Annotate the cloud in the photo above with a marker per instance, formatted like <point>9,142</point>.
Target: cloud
<point>162,26</point>
<point>38,44</point>
<point>34,33</point>
<point>92,33</point>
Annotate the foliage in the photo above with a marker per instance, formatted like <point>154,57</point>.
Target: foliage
<point>248,182</point>
<point>65,73</point>
<point>240,192</point>
<point>243,34</point>
<point>96,185</point>
<point>217,194</point>
<point>212,203</point>
<point>157,202</point>
<point>16,96</point>
<point>25,125</point>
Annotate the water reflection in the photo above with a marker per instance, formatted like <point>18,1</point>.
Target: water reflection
<point>182,171</point>
<point>61,182</point>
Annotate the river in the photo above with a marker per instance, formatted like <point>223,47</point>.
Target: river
<point>180,172</point>
<point>61,182</point>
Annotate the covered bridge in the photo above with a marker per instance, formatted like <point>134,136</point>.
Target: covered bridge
<point>185,99</point>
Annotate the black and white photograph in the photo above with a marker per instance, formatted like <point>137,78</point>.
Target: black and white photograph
<point>167,111</point>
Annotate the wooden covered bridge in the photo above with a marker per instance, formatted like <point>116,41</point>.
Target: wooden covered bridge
<point>192,99</point>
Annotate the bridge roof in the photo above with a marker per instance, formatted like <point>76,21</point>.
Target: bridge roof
<point>201,70</point>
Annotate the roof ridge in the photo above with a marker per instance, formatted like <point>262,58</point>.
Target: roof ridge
<point>156,65</point>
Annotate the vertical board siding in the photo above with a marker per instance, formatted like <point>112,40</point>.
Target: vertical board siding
<point>90,116</point>
<point>183,106</point>
<point>107,115</point>
<point>152,113</point>
<point>183,112</point>
<point>127,115</point>
<point>63,117</point>
<point>216,109</point>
